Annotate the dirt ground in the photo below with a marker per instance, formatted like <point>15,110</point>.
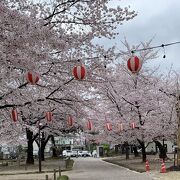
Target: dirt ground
<point>155,166</point>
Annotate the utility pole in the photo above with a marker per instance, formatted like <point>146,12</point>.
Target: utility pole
<point>178,133</point>
<point>178,122</point>
<point>39,147</point>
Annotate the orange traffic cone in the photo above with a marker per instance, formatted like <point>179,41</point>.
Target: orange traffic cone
<point>147,166</point>
<point>163,168</point>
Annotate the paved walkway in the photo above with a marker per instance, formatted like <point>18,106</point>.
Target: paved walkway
<point>96,169</point>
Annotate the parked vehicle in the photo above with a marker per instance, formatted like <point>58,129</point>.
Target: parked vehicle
<point>35,153</point>
<point>67,153</point>
<point>80,153</point>
<point>74,153</point>
<point>86,154</point>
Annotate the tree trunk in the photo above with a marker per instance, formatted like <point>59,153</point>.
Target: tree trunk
<point>44,141</point>
<point>136,154</point>
<point>126,145</point>
<point>162,150</point>
<point>42,152</point>
<point>43,145</point>
<point>143,150</point>
<point>54,150</point>
<point>30,158</point>
<point>116,149</point>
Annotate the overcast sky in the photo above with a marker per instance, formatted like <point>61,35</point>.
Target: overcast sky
<point>156,18</point>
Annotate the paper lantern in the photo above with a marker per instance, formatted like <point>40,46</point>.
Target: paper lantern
<point>109,126</point>
<point>134,64</point>
<point>49,116</point>
<point>133,125</point>
<point>89,125</point>
<point>79,72</point>
<point>120,127</point>
<point>32,77</point>
<point>14,115</point>
<point>70,121</point>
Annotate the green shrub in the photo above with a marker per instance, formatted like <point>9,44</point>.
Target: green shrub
<point>64,177</point>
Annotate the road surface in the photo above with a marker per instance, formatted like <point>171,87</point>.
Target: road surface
<point>96,169</point>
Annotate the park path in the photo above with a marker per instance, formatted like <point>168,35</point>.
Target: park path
<point>96,169</point>
<point>88,169</point>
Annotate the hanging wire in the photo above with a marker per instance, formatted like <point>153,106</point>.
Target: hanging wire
<point>144,49</point>
<point>136,50</point>
<point>159,46</point>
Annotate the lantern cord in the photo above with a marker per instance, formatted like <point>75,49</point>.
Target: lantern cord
<point>155,47</point>
<point>135,50</point>
<point>138,50</point>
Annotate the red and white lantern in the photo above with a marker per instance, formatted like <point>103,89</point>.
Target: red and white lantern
<point>70,121</point>
<point>89,125</point>
<point>109,126</point>
<point>79,72</point>
<point>49,116</point>
<point>14,115</point>
<point>120,127</point>
<point>134,64</point>
<point>133,125</point>
<point>32,77</point>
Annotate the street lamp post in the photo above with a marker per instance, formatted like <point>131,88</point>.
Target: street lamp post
<point>39,147</point>
<point>178,134</point>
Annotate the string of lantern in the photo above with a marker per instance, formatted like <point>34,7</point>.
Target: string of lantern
<point>134,64</point>
<point>32,78</point>
<point>109,126</point>
<point>132,51</point>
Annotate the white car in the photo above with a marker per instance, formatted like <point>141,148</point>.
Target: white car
<point>80,153</point>
<point>35,152</point>
<point>67,153</point>
<point>86,154</point>
<point>74,153</point>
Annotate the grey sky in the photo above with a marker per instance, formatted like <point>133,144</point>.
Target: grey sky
<point>156,18</point>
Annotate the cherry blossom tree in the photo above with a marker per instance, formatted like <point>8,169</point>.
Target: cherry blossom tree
<point>49,39</point>
<point>138,98</point>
